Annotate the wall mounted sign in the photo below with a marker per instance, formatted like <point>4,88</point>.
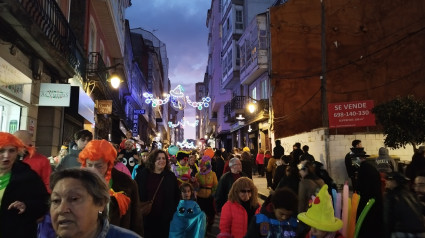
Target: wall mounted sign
<point>351,114</point>
<point>54,95</point>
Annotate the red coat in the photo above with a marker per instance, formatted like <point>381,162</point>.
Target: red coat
<point>41,165</point>
<point>233,219</point>
<point>259,159</point>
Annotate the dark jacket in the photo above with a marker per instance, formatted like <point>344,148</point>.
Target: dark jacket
<point>223,189</point>
<point>369,181</point>
<point>70,160</point>
<point>132,220</point>
<point>402,212</point>
<point>265,224</point>
<point>165,202</point>
<point>247,167</point>
<point>278,151</point>
<point>219,165</point>
<point>25,186</point>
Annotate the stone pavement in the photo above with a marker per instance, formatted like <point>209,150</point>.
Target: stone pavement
<point>261,184</point>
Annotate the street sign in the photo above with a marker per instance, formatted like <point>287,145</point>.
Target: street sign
<point>139,111</point>
<point>351,114</point>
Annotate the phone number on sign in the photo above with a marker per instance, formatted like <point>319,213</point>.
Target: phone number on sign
<point>351,114</point>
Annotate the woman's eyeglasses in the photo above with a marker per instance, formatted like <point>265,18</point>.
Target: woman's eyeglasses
<point>245,191</point>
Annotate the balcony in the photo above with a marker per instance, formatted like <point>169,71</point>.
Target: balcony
<point>233,108</point>
<point>260,114</point>
<point>42,25</point>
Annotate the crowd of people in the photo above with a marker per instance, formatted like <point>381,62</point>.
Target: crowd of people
<point>97,189</point>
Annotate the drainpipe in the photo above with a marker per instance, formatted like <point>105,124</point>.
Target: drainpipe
<point>325,119</point>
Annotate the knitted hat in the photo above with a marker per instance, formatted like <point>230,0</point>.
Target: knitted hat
<point>320,215</point>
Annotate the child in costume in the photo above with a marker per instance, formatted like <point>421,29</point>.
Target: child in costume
<point>277,217</point>
<point>320,217</point>
<point>207,181</point>
<point>182,169</point>
<point>188,220</point>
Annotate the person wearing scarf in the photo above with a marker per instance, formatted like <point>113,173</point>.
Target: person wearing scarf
<point>124,204</point>
<point>207,181</point>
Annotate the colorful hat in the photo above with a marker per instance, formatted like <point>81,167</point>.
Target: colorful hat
<point>320,215</point>
<point>182,154</point>
<point>206,161</point>
<point>246,149</point>
<point>209,152</point>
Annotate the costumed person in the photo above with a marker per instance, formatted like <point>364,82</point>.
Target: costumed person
<point>193,164</point>
<point>23,195</point>
<point>182,169</point>
<point>207,181</point>
<point>320,217</point>
<point>277,217</point>
<point>79,204</point>
<point>189,220</point>
<point>129,156</point>
<point>309,184</point>
<point>124,202</point>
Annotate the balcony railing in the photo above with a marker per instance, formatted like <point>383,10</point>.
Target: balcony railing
<point>236,105</point>
<point>48,16</point>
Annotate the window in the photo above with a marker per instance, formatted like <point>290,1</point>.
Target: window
<point>264,89</point>
<point>254,93</point>
<point>239,20</point>
<point>238,56</point>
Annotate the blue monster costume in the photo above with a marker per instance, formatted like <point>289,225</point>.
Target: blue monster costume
<point>188,221</point>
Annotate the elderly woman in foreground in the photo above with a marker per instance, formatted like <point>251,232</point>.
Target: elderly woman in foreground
<point>79,206</point>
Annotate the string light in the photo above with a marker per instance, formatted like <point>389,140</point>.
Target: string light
<point>182,123</point>
<point>186,144</point>
<point>177,99</point>
<point>155,102</point>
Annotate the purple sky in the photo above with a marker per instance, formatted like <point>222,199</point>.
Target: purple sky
<point>180,24</point>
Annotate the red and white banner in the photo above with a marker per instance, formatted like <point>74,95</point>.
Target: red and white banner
<point>351,114</point>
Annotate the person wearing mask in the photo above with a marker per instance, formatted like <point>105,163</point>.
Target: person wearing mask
<point>157,179</point>
<point>227,181</point>
<point>240,209</point>
<point>129,156</point>
<point>38,162</point>
<point>23,195</point>
<point>81,138</point>
<point>79,206</point>
<point>124,203</point>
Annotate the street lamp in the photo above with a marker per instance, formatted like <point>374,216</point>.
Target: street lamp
<point>252,107</point>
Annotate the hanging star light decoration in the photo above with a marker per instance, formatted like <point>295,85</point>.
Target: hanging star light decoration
<point>155,102</point>
<point>186,144</point>
<point>199,105</point>
<point>183,122</point>
<point>177,99</point>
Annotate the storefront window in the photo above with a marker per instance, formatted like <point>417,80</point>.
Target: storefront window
<point>10,114</point>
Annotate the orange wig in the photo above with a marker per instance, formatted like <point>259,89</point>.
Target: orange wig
<point>96,150</point>
<point>7,139</point>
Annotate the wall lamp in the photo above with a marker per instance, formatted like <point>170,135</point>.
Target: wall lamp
<point>114,79</point>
